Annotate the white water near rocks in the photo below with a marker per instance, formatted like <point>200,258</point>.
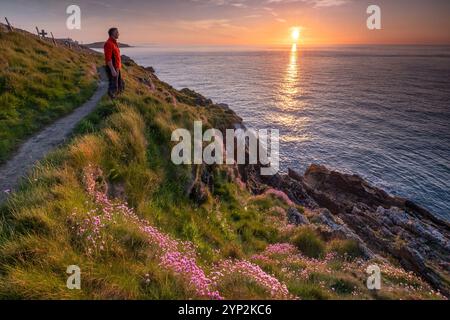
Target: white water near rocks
<point>379,112</point>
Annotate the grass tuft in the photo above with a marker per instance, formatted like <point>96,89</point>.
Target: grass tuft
<point>309,243</point>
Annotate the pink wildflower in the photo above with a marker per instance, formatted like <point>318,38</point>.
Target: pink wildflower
<point>177,256</point>
<point>276,289</point>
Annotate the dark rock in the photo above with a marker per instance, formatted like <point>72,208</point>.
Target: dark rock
<point>223,106</point>
<point>193,98</point>
<point>150,69</point>
<point>148,82</point>
<point>339,192</point>
<point>201,184</point>
<point>117,190</point>
<point>296,218</point>
<point>293,188</point>
<point>294,175</point>
<point>340,230</point>
<point>199,193</point>
<point>127,61</point>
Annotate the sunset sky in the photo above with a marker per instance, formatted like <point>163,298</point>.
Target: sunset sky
<point>239,22</point>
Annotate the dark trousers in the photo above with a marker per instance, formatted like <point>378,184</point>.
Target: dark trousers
<point>116,84</point>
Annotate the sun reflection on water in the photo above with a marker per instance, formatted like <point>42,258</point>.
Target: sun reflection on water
<point>292,72</point>
<point>289,102</point>
<point>290,85</point>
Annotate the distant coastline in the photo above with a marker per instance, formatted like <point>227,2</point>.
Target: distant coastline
<point>99,45</point>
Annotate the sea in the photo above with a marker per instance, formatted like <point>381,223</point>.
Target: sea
<point>381,112</point>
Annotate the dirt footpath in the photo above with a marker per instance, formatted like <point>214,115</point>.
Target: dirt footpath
<point>39,145</point>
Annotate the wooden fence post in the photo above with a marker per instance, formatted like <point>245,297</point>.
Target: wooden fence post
<point>10,27</point>
<point>53,38</point>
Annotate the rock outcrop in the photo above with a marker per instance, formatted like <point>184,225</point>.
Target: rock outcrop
<point>296,218</point>
<point>393,225</point>
<point>193,98</point>
<point>386,226</point>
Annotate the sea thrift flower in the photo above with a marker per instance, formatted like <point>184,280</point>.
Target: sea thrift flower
<point>281,249</point>
<point>177,256</point>
<point>188,267</point>
<point>276,289</point>
<point>280,195</point>
<point>286,255</point>
<point>280,212</point>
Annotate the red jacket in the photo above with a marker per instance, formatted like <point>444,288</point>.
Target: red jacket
<point>112,53</point>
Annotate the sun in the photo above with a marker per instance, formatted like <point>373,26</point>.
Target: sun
<point>295,34</point>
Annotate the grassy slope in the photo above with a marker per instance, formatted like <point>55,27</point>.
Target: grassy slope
<point>96,203</point>
<point>38,84</point>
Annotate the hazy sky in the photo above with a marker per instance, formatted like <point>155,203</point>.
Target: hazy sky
<point>239,22</point>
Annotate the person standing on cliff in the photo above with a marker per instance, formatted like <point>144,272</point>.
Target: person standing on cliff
<point>114,64</point>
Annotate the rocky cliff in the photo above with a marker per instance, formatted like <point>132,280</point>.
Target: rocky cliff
<point>389,227</point>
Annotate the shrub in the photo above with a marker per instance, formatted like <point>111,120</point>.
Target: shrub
<point>232,251</point>
<point>343,286</point>
<point>308,291</point>
<point>309,243</point>
<point>346,248</point>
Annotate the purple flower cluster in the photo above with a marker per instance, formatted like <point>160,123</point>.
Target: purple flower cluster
<point>91,230</point>
<point>286,255</point>
<point>188,268</point>
<point>281,249</point>
<point>274,252</point>
<point>226,268</point>
<point>278,194</point>
<point>177,256</point>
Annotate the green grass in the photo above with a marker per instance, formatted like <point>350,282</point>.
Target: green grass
<point>346,248</point>
<point>309,243</point>
<point>38,84</point>
<point>309,291</point>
